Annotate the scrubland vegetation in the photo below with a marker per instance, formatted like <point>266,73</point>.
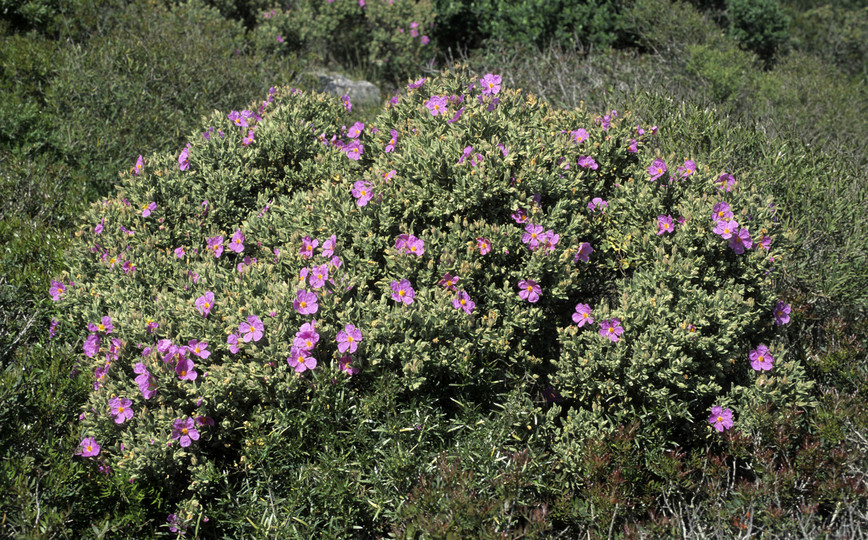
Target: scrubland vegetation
<point>593,269</point>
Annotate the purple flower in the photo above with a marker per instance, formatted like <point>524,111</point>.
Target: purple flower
<point>721,211</point>
<point>503,149</point>
<point>720,419</point>
<point>611,329</point>
<point>232,341</point>
<point>356,130</point>
<point>587,162</point>
<point>204,303</point>
<point>407,243</point>
<point>464,154</point>
<point>52,329</point>
<point>186,369</point>
<point>236,243</point>
<point>306,337</point>
<point>248,140</point>
<point>354,150</point>
<point>145,381</point>
<point>657,169</point>
<point>549,240</point>
<point>300,360</point>
<point>484,245</point>
<point>345,365</point>
<point>464,302</point>
<point>319,275</point>
<point>184,158</point>
<point>99,227</point>
<point>436,105</point>
<point>449,281</point>
<point>687,169</point>
<point>392,142</point>
<point>582,316</point>
<point>761,359</point>
<point>348,339</point>
<point>180,252</point>
<point>105,326</point>
<point>139,167</point>
<point>345,99</point>
<point>425,40</point>
<point>176,524</point>
<point>148,209</point>
<point>584,252</point>
<point>328,247</point>
<point>597,203</point>
<point>402,292</point>
<point>725,182</point>
<point>362,192</point>
<point>252,329</point>
<point>490,84</point>
<point>740,241</point>
<point>88,447</point>
<point>519,216</point>
<point>307,246</point>
<point>246,263</point>
<point>199,348</point>
<point>665,225</point>
<point>185,430</point>
<point>416,84</point>
<point>634,146</point>
<point>57,290</point>
<point>529,290</point>
<point>782,313</point>
<point>237,119</point>
<point>725,229</point>
<point>579,136</point>
<point>531,237</point>
<point>456,116</point>
<point>121,409</point>
<point>305,302</point>
<point>215,244</point>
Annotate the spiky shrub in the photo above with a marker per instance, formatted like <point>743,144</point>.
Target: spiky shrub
<point>389,39</point>
<point>444,252</point>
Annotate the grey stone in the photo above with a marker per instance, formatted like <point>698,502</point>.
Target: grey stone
<point>360,92</point>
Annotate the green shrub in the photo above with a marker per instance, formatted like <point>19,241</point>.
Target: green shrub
<point>690,306</point>
<point>835,34</point>
<point>148,79</point>
<point>389,40</point>
<point>760,26</point>
<point>531,22</point>
<point>728,73</point>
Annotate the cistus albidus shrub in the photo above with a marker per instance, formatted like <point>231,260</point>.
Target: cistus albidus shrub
<point>474,245</point>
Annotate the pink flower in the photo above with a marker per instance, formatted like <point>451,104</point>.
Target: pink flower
<point>345,99</point>
<point>348,339</point>
<point>582,316</point>
<point>532,235</point>
<point>519,216</point>
<point>184,158</point>
<point>436,105</point>
<point>529,290</point>
<point>328,247</point>
<point>665,225</point>
<point>345,365</point>
<point>725,182</point>
<point>185,430</point>
<point>232,341</point>
<point>657,169</point>
<point>300,360</point>
<point>761,359</point>
<point>204,303</point>
<point>252,329</point>
<point>354,150</point>
<point>236,244</point>
<point>148,209</point>
<point>549,240</point>
<point>740,241</point>
<point>186,369</point>
<point>687,169</point>
<point>319,275</point>
<point>611,329</point>
<point>402,292</point>
<point>464,302</point>
<point>199,348</point>
<point>449,281</point>
<point>725,229</point>
<point>587,162</point>
<point>634,146</point>
<point>484,245</point>
<point>88,447</point>
<point>782,313</point>
<point>305,302</point>
<point>215,244</point>
<point>720,419</point>
<point>307,247</point>
<point>180,252</point>
<point>579,136</point>
<point>139,167</point>
<point>721,211</point>
<point>120,409</point>
<point>490,84</point>
<point>362,192</point>
<point>306,337</point>
<point>356,130</point>
<point>584,252</point>
<point>392,142</point>
<point>57,290</point>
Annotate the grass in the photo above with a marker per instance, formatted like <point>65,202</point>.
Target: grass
<point>796,130</point>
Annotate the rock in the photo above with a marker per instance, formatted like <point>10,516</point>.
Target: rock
<point>360,92</point>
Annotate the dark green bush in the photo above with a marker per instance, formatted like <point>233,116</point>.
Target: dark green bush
<point>835,34</point>
<point>760,26</point>
<point>531,22</point>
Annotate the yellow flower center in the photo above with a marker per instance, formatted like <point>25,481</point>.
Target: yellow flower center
<point>197,350</point>
<point>611,329</point>
<point>585,315</point>
<point>120,410</point>
<point>462,302</point>
<point>207,305</point>
<point>761,359</point>
<point>401,292</point>
<point>349,339</point>
<point>303,304</point>
<point>720,419</point>
<point>101,327</point>
<point>308,344</point>
<point>89,448</point>
<point>183,373</point>
<point>530,288</point>
<point>183,431</point>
